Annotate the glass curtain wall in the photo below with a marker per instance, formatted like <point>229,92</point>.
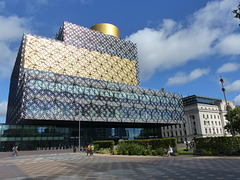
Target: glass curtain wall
<point>34,137</point>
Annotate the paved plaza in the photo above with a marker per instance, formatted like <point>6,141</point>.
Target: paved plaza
<point>80,166</point>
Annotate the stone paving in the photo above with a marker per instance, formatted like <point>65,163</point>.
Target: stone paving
<point>63,166</point>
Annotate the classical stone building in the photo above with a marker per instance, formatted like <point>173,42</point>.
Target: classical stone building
<point>204,117</point>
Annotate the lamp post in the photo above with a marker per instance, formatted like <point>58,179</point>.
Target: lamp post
<point>229,118</point>
<point>79,136</point>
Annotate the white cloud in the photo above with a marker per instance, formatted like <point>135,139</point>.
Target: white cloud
<point>235,86</point>
<point>229,45</point>
<point>182,78</point>
<point>172,45</point>
<point>228,67</point>
<point>12,29</point>
<point>237,100</point>
<point>3,108</point>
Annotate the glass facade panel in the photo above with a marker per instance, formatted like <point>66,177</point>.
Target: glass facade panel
<point>56,136</point>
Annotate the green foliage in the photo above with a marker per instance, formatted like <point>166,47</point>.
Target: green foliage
<point>207,153</point>
<point>235,117</point>
<point>161,151</point>
<point>155,143</point>
<point>130,149</point>
<point>104,151</point>
<point>145,152</point>
<point>136,147</point>
<point>237,12</point>
<point>154,152</point>
<point>96,147</point>
<point>217,145</point>
<point>146,146</point>
<point>103,144</point>
<point>120,152</point>
<point>115,152</point>
<point>149,151</point>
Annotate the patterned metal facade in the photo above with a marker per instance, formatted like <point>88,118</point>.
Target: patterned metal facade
<point>88,80</point>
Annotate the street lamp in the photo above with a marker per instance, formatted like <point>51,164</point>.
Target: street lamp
<point>79,136</point>
<point>232,132</point>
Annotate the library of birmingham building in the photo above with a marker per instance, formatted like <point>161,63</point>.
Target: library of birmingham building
<point>85,81</point>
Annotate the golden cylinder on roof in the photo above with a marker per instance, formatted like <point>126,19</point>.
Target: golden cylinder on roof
<point>106,28</point>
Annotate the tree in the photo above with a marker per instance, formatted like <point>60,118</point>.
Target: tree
<point>237,12</point>
<point>235,117</point>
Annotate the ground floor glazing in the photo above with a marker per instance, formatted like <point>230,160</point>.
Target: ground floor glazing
<point>33,137</point>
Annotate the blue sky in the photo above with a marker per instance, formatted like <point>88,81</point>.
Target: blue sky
<point>183,46</point>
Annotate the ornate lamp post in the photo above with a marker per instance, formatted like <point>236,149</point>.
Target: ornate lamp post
<point>79,136</point>
<point>229,118</point>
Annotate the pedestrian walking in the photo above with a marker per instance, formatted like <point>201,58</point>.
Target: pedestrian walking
<point>14,150</point>
<point>88,149</point>
<point>169,151</point>
<point>92,149</point>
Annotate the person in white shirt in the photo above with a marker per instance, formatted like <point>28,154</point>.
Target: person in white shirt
<point>169,151</point>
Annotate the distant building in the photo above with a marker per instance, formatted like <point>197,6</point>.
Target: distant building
<point>204,118</point>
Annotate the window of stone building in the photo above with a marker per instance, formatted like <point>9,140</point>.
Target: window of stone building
<point>210,130</point>
<point>207,115</point>
<point>206,130</point>
<point>184,125</point>
<point>213,130</point>
<point>216,123</point>
<point>212,123</point>
<point>218,116</point>
<point>194,123</point>
<point>214,116</point>
<point>217,130</point>
<point>203,115</point>
<point>185,132</point>
<point>219,123</point>
<point>179,125</point>
<point>176,133</point>
<point>204,122</point>
<point>172,134</point>
<point>175,126</point>
<point>211,116</point>
<point>164,134</point>
<point>168,134</point>
<point>180,133</point>
<point>220,130</point>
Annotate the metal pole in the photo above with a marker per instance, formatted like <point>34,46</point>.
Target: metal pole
<point>229,118</point>
<point>79,136</point>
